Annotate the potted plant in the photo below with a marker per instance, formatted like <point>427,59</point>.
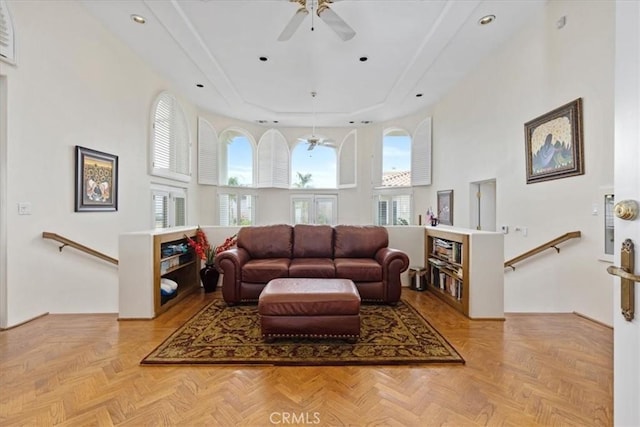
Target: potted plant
<point>207,253</point>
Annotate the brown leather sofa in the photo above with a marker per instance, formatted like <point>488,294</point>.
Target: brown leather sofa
<point>359,253</point>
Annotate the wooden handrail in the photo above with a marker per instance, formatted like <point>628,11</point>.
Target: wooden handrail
<point>550,244</point>
<point>78,246</point>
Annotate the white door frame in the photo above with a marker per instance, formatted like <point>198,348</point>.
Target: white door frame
<point>626,335</point>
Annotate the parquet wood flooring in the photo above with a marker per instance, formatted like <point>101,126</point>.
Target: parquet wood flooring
<point>532,369</point>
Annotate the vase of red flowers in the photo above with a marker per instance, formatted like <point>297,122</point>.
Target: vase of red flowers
<point>209,274</point>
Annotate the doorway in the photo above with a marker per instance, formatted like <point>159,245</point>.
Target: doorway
<point>483,205</point>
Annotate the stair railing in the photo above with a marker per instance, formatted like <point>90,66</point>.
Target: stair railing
<point>549,245</point>
<point>68,242</point>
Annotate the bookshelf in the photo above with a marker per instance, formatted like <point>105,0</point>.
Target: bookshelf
<point>465,270</point>
<point>146,258</point>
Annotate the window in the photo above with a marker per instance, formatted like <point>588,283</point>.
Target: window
<point>169,207</point>
<point>314,209</point>
<point>170,143</point>
<point>314,168</point>
<point>396,158</point>
<point>236,208</point>
<point>393,209</point>
<point>237,153</point>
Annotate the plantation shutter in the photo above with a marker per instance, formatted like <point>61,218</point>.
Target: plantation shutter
<point>207,153</point>
<point>180,211</point>
<point>224,209</point>
<point>382,211</point>
<point>7,40</point>
<point>273,160</point>
<point>348,161</point>
<point>421,154</point>
<point>170,143</point>
<point>160,209</point>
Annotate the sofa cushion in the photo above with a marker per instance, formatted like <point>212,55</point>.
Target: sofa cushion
<point>358,269</point>
<point>263,270</point>
<point>353,241</point>
<point>312,267</point>
<point>312,241</point>
<point>269,241</point>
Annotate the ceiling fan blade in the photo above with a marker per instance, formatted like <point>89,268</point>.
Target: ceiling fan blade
<point>337,24</point>
<point>311,146</point>
<point>293,24</point>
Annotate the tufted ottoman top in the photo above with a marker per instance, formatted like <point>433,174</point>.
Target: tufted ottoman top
<point>309,297</point>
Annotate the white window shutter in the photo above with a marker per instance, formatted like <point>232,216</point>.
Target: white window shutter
<point>180,211</point>
<point>421,154</point>
<point>170,143</point>
<point>207,153</point>
<point>273,160</point>
<point>160,209</point>
<point>347,171</point>
<point>7,36</point>
<point>224,209</point>
<point>182,145</point>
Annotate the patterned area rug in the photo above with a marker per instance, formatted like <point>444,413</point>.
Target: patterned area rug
<point>219,334</point>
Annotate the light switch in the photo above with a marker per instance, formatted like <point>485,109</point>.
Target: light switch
<point>24,208</point>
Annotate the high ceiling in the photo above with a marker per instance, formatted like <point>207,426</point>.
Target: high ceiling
<point>412,47</point>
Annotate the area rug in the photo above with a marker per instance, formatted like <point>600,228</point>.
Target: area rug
<point>220,334</point>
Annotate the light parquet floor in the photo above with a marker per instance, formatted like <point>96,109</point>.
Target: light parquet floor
<point>532,369</point>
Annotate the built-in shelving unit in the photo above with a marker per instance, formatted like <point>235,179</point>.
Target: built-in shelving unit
<point>145,259</point>
<point>465,270</point>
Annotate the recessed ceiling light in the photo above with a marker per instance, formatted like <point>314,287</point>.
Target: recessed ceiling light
<point>418,95</point>
<point>263,59</point>
<point>138,19</point>
<point>199,85</point>
<point>351,122</point>
<point>261,121</point>
<point>487,19</point>
<point>364,59</point>
<point>276,121</point>
<point>365,122</point>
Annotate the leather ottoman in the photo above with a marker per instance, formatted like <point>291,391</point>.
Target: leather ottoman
<point>310,308</point>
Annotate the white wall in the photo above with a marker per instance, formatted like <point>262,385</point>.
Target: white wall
<point>479,134</point>
<point>75,84</point>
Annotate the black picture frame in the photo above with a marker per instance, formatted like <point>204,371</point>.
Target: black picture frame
<point>96,181</point>
<point>553,144</point>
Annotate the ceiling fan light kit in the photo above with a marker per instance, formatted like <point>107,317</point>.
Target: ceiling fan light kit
<point>324,12</point>
<point>313,139</point>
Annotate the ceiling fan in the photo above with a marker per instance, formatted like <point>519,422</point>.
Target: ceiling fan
<point>314,139</point>
<point>324,12</point>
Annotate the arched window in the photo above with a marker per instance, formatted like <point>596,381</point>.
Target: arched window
<point>237,153</point>
<point>315,168</point>
<point>396,158</point>
<point>170,142</point>
<point>393,199</point>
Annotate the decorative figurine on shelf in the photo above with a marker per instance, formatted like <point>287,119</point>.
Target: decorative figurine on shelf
<point>431,218</point>
<point>209,275</point>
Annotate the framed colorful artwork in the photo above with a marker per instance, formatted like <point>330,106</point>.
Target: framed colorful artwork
<point>553,144</point>
<point>96,181</point>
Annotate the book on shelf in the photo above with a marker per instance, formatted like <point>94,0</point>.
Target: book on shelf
<point>451,251</point>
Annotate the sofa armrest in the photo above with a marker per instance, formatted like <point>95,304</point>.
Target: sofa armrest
<point>230,263</point>
<point>393,262</point>
<point>386,256</point>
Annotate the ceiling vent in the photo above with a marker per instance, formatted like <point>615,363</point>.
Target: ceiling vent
<point>7,45</point>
